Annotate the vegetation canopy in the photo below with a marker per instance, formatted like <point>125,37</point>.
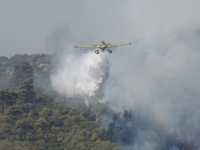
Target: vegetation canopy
<point>32,118</point>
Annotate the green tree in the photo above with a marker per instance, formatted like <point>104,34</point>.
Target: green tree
<point>13,97</point>
<point>22,127</point>
<point>4,98</point>
<point>15,111</point>
<point>22,71</point>
<point>27,93</point>
<point>45,113</point>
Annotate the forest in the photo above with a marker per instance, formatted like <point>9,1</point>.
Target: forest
<point>34,116</point>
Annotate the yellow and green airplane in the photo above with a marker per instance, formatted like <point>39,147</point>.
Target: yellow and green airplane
<point>102,46</point>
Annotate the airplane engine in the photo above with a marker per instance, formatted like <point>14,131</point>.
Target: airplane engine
<point>96,52</point>
<point>109,51</point>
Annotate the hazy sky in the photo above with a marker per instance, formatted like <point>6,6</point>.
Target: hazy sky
<point>26,25</point>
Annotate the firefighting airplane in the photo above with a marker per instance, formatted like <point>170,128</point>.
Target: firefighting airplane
<point>102,46</point>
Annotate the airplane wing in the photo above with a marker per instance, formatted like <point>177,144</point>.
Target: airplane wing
<point>86,47</point>
<point>119,45</point>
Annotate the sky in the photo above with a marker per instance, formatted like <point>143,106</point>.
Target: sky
<point>25,26</point>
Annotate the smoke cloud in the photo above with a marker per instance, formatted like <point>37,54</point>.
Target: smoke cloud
<point>155,76</point>
<point>159,77</point>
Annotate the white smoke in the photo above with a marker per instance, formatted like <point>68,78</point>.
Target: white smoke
<point>82,75</point>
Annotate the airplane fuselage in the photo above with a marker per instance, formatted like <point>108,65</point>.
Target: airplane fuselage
<point>103,46</point>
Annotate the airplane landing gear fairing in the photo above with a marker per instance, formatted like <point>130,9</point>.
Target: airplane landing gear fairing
<point>96,52</point>
<point>109,51</point>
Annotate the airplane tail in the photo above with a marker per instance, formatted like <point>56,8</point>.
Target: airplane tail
<point>94,44</point>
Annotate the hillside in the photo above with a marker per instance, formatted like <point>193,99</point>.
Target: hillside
<point>34,119</point>
<point>41,63</point>
<point>34,116</point>
<point>47,120</point>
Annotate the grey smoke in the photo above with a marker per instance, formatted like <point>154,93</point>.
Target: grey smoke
<point>159,77</point>
<point>174,148</point>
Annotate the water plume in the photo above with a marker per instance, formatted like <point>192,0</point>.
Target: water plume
<point>82,75</point>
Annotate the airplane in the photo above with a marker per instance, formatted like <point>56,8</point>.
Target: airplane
<point>102,46</point>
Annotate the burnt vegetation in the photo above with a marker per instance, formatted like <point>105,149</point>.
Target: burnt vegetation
<point>126,127</point>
